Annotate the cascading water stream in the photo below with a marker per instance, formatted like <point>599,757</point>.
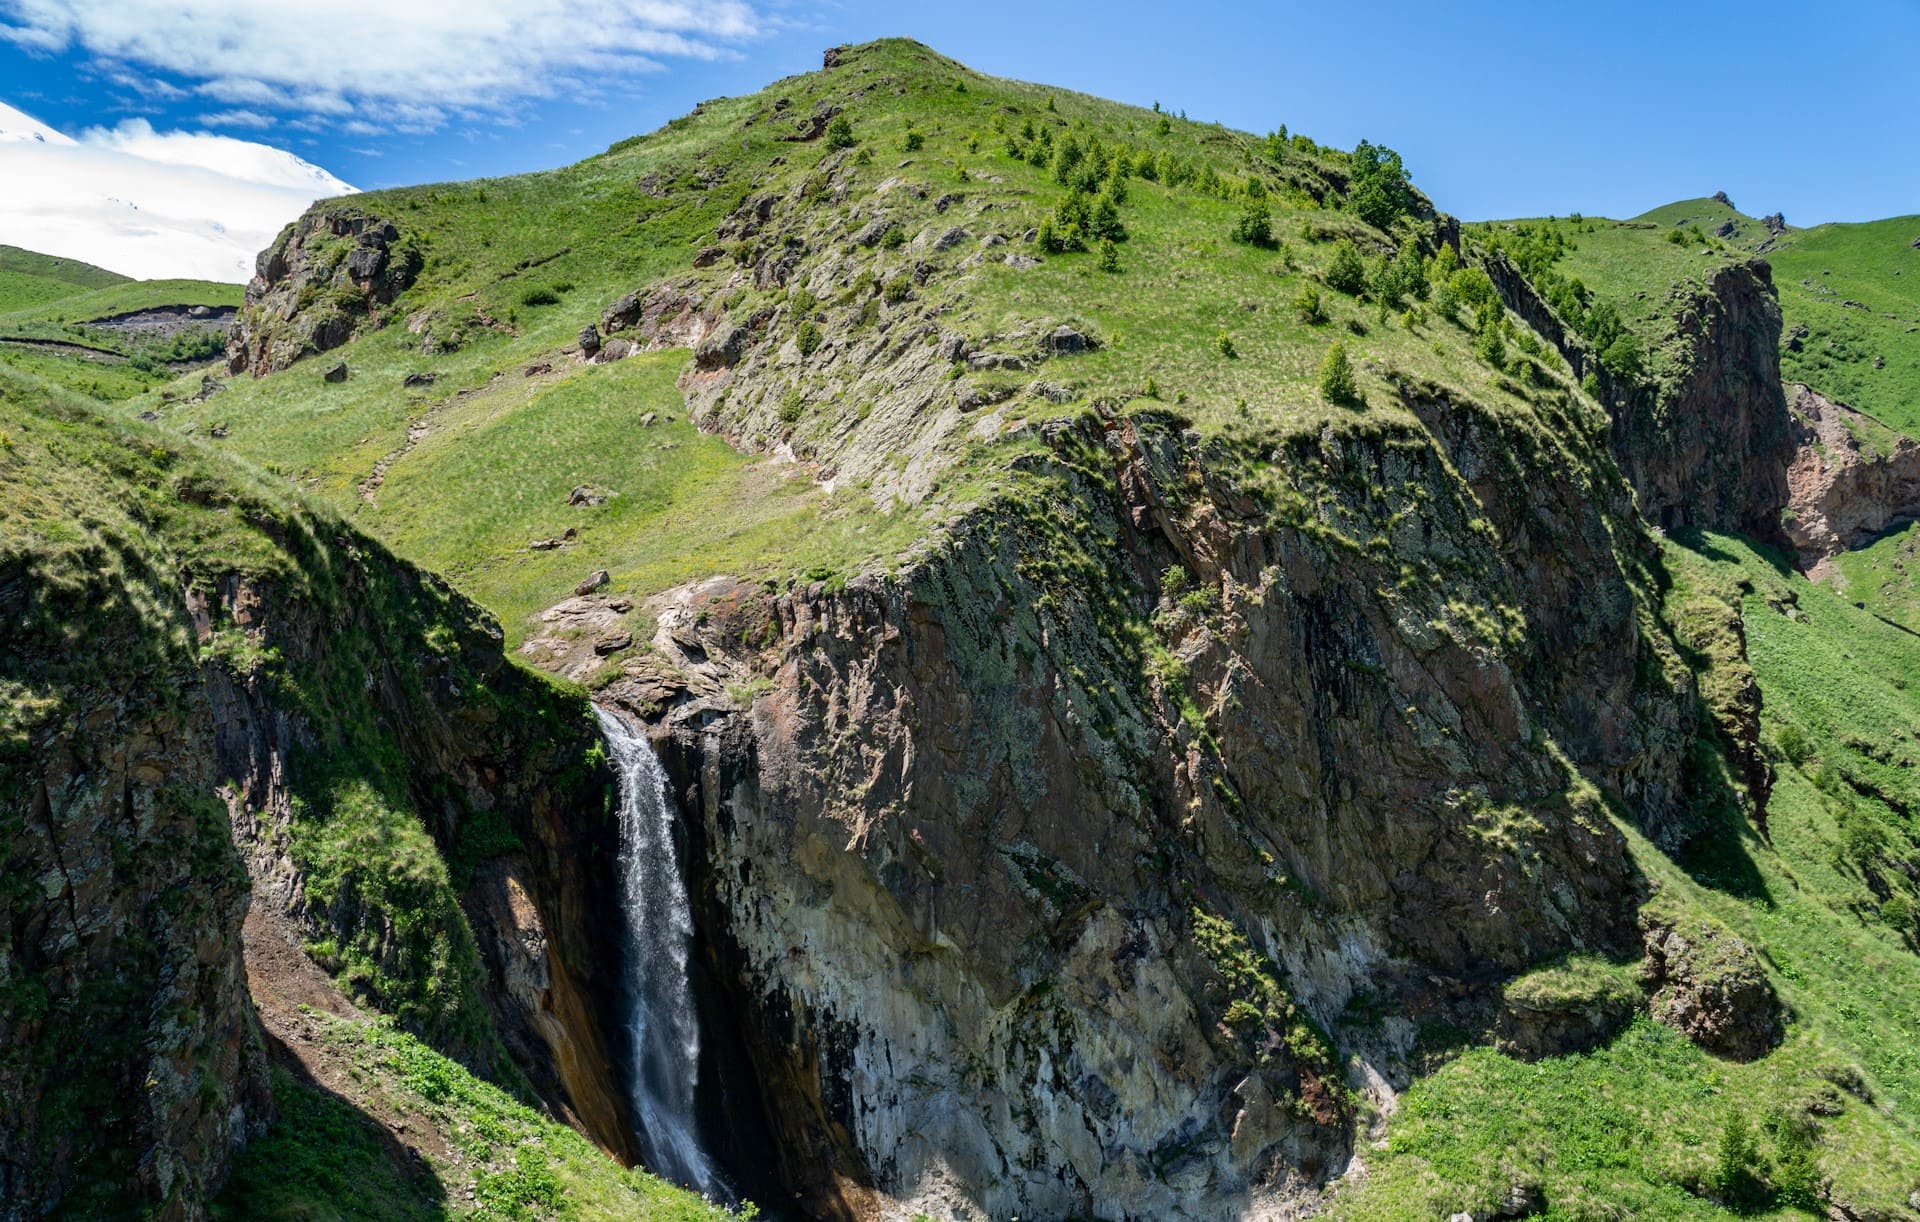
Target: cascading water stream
<point>662,1022</point>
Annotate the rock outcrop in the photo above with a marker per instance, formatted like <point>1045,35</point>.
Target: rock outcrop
<point>1709,985</point>
<point>1852,479</point>
<point>128,1052</point>
<point>324,279</point>
<point>1708,444</point>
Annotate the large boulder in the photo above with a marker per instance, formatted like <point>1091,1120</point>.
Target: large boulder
<point>1705,982</point>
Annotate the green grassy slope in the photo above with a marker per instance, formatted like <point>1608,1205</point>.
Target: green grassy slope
<point>1191,320</point>
<point>28,278</point>
<point>488,1155</point>
<point>1865,354</point>
<point>43,333</point>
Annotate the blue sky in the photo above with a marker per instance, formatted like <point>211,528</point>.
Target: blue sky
<point>1500,109</point>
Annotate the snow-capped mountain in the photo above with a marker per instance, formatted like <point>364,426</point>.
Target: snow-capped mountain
<point>149,204</point>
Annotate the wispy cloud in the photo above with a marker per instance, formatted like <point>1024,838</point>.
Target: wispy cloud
<point>148,203</point>
<point>407,67</point>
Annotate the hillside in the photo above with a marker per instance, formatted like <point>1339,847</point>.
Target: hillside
<point>100,333</point>
<point>1192,688</point>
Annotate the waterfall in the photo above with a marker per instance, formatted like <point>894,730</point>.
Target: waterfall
<point>662,1024</point>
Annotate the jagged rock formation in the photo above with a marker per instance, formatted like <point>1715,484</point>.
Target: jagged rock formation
<point>1709,446</point>
<point>1852,479</point>
<point>128,1052</point>
<point>322,281</point>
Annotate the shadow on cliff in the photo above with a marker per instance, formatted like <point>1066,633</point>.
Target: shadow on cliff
<point>1727,825</point>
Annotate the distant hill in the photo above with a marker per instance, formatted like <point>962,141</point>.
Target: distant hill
<point>55,322</point>
<point>28,278</point>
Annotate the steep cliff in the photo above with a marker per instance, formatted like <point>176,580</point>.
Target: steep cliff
<point>1058,873</point>
<point>195,662</point>
<point>1705,442</point>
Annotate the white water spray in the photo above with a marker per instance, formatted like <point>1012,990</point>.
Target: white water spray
<point>664,1028</point>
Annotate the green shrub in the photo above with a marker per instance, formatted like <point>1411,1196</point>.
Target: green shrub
<point>1490,348</point>
<point>1738,1176</point>
<point>1472,286</point>
<point>539,297</point>
<point>898,289</point>
<point>1897,912</point>
<point>1377,189</point>
<point>1337,384</point>
<point>1625,357</point>
<point>1254,225</point>
<point>840,133</point>
<point>1109,256</point>
<point>807,338</point>
<point>1223,343</point>
<point>792,405</point>
<point>1347,274</point>
<point>1307,306</point>
<point>914,142</point>
<point>894,238</point>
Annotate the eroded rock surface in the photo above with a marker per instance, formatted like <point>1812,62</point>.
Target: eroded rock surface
<point>1852,479</point>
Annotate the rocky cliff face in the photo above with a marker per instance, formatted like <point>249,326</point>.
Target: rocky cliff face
<point>1709,445</point>
<point>230,671</point>
<point>324,279</point>
<point>1059,878</point>
<point>128,1051</point>
<point>1852,479</point>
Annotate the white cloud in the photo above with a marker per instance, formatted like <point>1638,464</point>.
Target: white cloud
<point>150,204</point>
<point>372,56</point>
<point>238,118</point>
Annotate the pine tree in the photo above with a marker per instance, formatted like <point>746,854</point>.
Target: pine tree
<point>1337,383</point>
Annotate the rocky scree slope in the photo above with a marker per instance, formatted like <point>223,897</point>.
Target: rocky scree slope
<point>211,690</point>
<point>1293,729</point>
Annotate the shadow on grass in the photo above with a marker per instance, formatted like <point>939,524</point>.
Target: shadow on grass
<point>323,1157</point>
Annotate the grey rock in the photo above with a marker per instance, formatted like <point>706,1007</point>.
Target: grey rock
<point>594,581</point>
<point>338,373</point>
<point>587,494</point>
<point>613,644</point>
<point>1065,341</point>
<point>950,239</point>
<point>589,340</point>
<point>414,380</point>
<point>366,262</point>
<point>872,232</point>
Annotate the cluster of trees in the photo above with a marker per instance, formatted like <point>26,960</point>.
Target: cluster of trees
<point>1536,249</point>
<point>1377,186</point>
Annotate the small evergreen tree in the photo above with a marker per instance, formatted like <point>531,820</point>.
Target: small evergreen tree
<point>840,133</point>
<point>1490,348</point>
<point>1337,385</point>
<point>1307,307</point>
<point>1254,225</point>
<point>1223,343</point>
<point>1109,256</point>
<point>1347,274</point>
